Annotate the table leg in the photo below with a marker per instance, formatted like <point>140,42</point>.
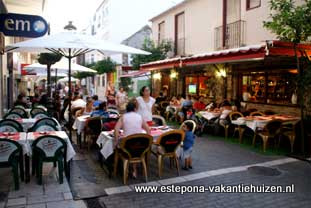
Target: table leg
<point>27,169</point>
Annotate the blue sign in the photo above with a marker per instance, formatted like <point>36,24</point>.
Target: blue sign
<point>22,25</point>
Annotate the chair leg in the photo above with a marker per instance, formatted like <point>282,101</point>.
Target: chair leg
<point>241,131</point>
<point>177,164</point>
<point>226,131</point>
<point>291,140</point>
<point>33,163</point>
<point>60,171</point>
<point>39,171</point>
<point>254,139</point>
<point>125,171</point>
<point>15,175</point>
<point>115,165</point>
<point>160,165</point>
<point>21,166</point>
<point>265,141</point>
<point>145,169</point>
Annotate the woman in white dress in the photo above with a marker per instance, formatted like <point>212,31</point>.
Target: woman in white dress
<point>145,104</point>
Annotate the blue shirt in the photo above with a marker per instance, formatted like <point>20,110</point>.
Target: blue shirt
<point>100,113</point>
<point>189,140</point>
<point>186,103</point>
<point>96,103</point>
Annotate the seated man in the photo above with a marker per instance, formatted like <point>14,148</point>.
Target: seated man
<point>96,102</point>
<point>199,104</point>
<point>102,111</point>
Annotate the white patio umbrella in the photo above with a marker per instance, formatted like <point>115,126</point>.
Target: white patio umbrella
<point>70,45</point>
<point>61,67</point>
<point>65,79</point>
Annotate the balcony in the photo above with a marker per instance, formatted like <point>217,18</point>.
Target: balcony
<point>235,35</point>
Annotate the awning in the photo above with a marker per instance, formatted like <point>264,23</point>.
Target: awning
<point>235,55</point>
<point>136,74</point>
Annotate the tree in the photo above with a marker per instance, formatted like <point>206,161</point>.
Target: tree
<point>158,52</point>
<point>105,66</point>
<point>291,22</point>
<point>125,82</point>
<point>48,59</point>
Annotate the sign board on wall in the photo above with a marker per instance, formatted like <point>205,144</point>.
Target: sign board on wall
<point>22,25</point>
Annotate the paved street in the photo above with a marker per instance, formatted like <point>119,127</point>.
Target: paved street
<point>215,162</point>
<point>297,173</point>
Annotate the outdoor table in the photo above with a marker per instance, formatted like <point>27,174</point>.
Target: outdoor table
<point>209,115</point>
<point>27,123</point>
<point>258,122</point>
<point>106,143</point>
<point>80,122</point>
<point>31,136</point>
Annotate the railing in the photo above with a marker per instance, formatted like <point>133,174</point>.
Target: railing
<point>235,35</point>
<point>180,47</point>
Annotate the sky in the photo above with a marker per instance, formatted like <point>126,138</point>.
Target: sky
<point>59,12</point>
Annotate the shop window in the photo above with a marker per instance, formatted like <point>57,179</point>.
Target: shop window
<point>272,88</point>
<point>252,4</point>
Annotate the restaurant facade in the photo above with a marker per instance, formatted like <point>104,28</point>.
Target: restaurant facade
<point>260,76</point>
<point>243,62</point>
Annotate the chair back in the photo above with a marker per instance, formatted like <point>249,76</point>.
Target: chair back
<point>269,112</point>
<point>235,115</point>
<point>13,115</point>
<point>11,122</point>
<point>170,140</point>
<point>256,113</point>
<point>50,146</point>
<point>40,115</point>
<point>48,121</point>
<point>44,127</point>
<point>113,111</point>
<point>164,104</point>
<point>9,128</point>
<point>19,106</point>
<point>36,110</point>
<point>189,121</point>
<point>136,145</point>
<point>8,150</point>
<point>273,127</point>
<point>20,111</point>
<point>158,120</point>
<point>93,125</point>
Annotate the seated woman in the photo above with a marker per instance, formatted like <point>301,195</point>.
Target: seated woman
<point>102,111</point>
<point>21,101</point>
<point>225,110</point>
<point>87,110</point>
<point>186,106</point>
<point>131,123</point>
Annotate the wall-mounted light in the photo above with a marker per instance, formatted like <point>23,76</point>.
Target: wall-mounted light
<point>221,73</point>
<point>173,75</point>
<point>157,76</point>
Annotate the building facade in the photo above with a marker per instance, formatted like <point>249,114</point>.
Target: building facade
<point>12,81</point>
<point>240,59</point>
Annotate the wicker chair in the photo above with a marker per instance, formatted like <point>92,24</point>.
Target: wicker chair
<point>168,144</point>
<point>270,130</point>
<point>133,149</point>
<point>238,128</point>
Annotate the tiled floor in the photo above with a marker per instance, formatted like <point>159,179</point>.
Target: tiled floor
<point>49,195</point>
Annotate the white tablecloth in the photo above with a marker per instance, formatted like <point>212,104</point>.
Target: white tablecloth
<point>79,123</point>
<point>105,141</point>
<point>62,134</point>
<point>209,115</point>
<point>252,124</point>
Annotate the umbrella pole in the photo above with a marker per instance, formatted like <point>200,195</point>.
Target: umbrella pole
<point>55,79</point>
<point>70,94</point>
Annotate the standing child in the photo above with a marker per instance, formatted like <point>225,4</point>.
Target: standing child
<point>188,144</point>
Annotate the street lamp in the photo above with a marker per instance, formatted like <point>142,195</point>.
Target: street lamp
<point>70,26</point>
